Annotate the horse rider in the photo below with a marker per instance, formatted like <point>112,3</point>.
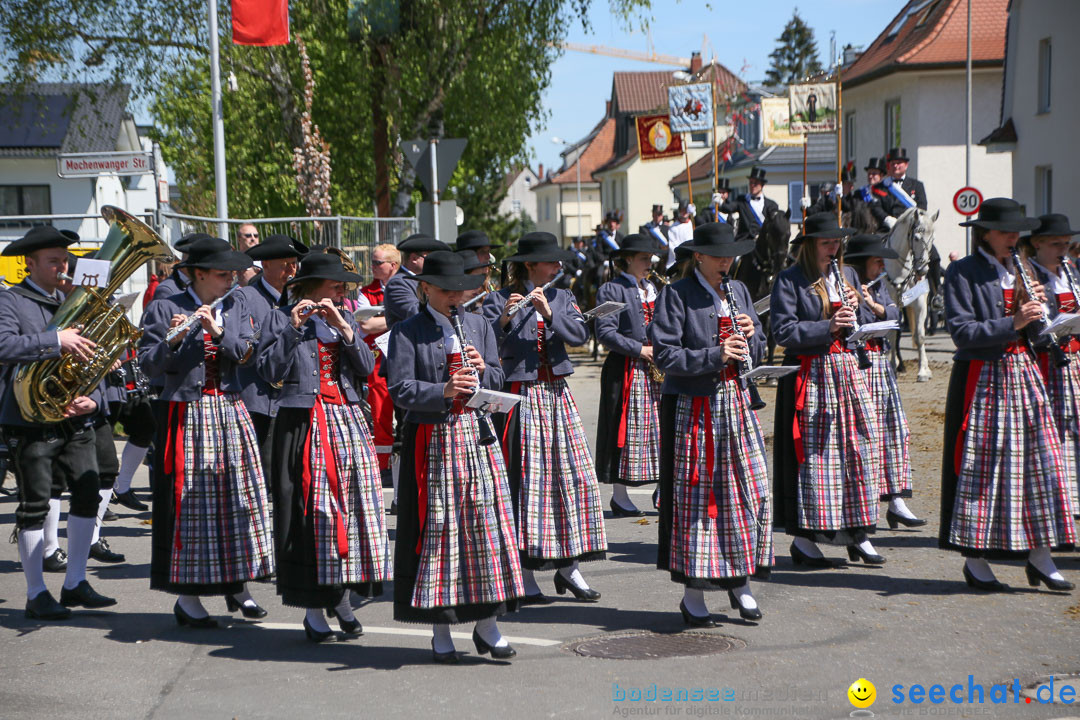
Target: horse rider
<point>826,201</point>
<point>753,207</point>
<point>901,191</point>
<point>656,228</point>
<point>681,231</point>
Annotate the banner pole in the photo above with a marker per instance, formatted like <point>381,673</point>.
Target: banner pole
<point>839,149</point>
<point>689,185</point>
<point>806,191</point>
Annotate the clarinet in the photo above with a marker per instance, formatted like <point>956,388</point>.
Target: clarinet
<point>1056,353</point>
<point>527,301</point>
<point>487,433</point>
<point>192,319</point>
<point>841,288</point>
<point>745,364</point>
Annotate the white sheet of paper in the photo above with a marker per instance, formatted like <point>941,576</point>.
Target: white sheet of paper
<point>769,371</point>
<point>368,311</point>
<point>915,292</point>
<point>493,401</point>
<point>92,273</point>
<point>127,301</point>
<point>1062,325</point>
<point>762,306</point>
<point>874,330</point>
<point>603,309</point>
<point>383,343</point>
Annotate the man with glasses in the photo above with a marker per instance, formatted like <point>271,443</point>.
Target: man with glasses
<point>385,261</point>
<point>401,297</point>
<point>247,237</point>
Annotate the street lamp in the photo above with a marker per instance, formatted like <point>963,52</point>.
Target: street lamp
<point>559,141</point>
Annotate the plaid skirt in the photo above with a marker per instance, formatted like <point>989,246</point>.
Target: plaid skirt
<point>1011,492</point>
<point>1063,386</point>
<point>639,462</point>
<point>895,435</point>
<point>721,516</point>
<point>221,531</point>
<point>839,477</point>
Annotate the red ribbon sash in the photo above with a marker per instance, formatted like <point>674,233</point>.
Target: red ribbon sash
<point>628,379</point>
<point>420,456</point>
<point>318,416</point>
<point>702,406</point>
<point>174,460</point>
<point>974,369</point>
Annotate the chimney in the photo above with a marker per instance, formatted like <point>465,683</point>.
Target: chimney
<point>540,172</point>
<point>851,54</point>
<point>607,108</point>
<point>695,63</point>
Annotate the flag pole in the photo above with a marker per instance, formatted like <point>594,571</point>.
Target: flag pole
<point>806,190</point>
<point>689,186</point>
<point>218,120</point>
<point>839,149</point>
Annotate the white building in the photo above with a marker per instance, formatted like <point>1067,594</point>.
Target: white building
<point>520,201</point>
<point>558,210</point>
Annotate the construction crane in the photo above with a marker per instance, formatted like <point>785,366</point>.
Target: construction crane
<point>651,57</point>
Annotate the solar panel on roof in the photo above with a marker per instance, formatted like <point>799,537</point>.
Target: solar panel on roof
<point>34,121</point>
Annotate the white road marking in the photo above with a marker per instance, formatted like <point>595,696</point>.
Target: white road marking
<point>417,632</point>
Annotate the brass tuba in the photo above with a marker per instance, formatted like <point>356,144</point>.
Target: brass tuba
<point>45,388</point>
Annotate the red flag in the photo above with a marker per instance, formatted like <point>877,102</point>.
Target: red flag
<point>260,22</point>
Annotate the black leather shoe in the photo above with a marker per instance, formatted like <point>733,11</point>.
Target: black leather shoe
<point>744,613</point>
<point>497,653</point>
<point>393,510</point>
<point>128,500</point>
<point>695,621</point>
<point>987,585</point>
<point>251,613</point>
<point>43,606</point>
<point>619,511</point>
<point>537,599</point>
<point>55,563</point>
<point>349,627</point>
<point>445,658</point>
<point>855,553</point>
<point>182,619</point>
<point>83,594</point>
<point>101,552</point>
<point>801,558</point>
<point>1035,576</point>
<point>319,637</point>
<point>562,585</point>
<point>109,516</point>
<point>895,519</point>
<point>656,499</point>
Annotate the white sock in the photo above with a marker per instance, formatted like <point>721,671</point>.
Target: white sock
<point>694,600</point>
<point>52,527</point>
<point>192,605</point>
<point>531,588</point>
<point>344,607</point>
<point>866,547</point>
<point>808,547</point>
<point>244,598</point>
<point>79,532</point>
<point>441,642</point>
<point>395,470</point>
<point>898,506</point>
<point>31,553</point>
<point>317,620</point>
<point>1040,558</point>
<point>488,630</point>
<point>744,596</point>
<point>574,576</point>
<point>621,497</point>
<point>129,462</point>
<point>103,506</point>
<point>980,569</point>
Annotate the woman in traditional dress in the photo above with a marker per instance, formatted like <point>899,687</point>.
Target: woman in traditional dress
<point>211,531</point>
<point>559,515</point>
<point>715,526</point>
<point>456,556</point>
<point>867,253</point>
<point>1004,483</point>
<point>329,528</point>
<point>628,426</point>
<point>827,454</point>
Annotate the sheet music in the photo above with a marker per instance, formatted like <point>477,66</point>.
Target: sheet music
<point>368,311</point>
<point>493,401</point>
<point>874,330</point>
<point>1062,325</point>
<point>383,343</point>
<point>769,371</point>
<point>915,292</point>
<point>603,309</point>
<point>762,306</point>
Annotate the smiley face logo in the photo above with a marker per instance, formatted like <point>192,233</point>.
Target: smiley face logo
<point>862,693</point>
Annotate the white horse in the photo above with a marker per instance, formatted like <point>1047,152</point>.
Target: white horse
<point>912,237</point>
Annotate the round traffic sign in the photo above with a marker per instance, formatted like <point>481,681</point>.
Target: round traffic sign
<point>967,201</point>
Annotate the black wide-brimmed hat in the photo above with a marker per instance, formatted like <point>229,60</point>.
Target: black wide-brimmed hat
<point>868,246</point>
<point>1053,225</point>
<point>757,173</point>
<point>637,243</point>
<point>473,239</point>
<point>717,240</point>
<point>1004,214</point>
<point>277,247</point>
<point>213,253</point>
<point>897,153</point>
<point>419,242</point>
<point>41,237</point>
<point>323,266</point>
<point>471,260</point>
<point>824,225</point>
<point>185,242</point>
<point>540,247</point>
<point>446,270</point>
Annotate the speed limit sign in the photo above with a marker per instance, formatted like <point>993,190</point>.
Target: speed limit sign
<point>967,201</point>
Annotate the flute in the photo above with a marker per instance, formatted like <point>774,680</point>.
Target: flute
<point>841,288</point>
<point>745,364</point>
<point>1060,358</point>
<point>469,304</point>
<point>526,301</point>
<point>487,432</point>
<point>192,319</point>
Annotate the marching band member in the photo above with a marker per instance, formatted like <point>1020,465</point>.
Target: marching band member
<point>401,299</point>
<point>715,529</point>
<point>385,261</point>
<point>827,433</point>
<point>866,254</point>
<point>560,518</point>
<point>1004,483</point>
<point>628,426</point>
<point>481,244</point>
<point>329,527</point>
<point>475,265</point>
<point>456,554</point>
<point>211,523</point>
<point>179,278</point>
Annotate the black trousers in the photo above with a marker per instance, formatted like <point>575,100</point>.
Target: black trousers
<point>136,414</point>
<point>105,449</point>
<point>40,455</point>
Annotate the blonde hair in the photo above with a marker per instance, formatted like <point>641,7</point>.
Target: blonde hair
<point>390,250</point>
<point>806,259</point>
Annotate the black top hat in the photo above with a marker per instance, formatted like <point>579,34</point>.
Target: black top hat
<point>877,164</point>
<point>41,237</point>
<point>323,266</point>
<point>717,240</point>
<point>419,242</point>
<point>758,173</point>
<point>684,206</point>
<point>868,246</point>
<point>613,216</point>
<point>723,184</point>
<point>637,243</point>
<point>1004,214</point>
<point>212,253</point>
<point>446,270</point>
<point>657,209</point>
<point>277,247</point>
<point>1053,225</point>
<point>472,239</point>
<point>539,247</point>
<point>897,153</point>
<point>471,260</point>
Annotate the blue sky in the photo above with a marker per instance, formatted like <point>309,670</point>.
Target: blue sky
<point>740,35</point>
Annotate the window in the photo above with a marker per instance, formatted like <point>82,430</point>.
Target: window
<point>1044,75</point>
<point>515,207</point>
<point>749,130</point>
<point>547,208</point>
<point>849,136</point>
<point>1044,189</point>
<point>699,139</point>
<point>25,200</point>
<point>794,194</point>
<point>892,124</point>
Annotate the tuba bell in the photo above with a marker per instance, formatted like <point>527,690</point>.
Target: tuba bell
<point>43,389</point>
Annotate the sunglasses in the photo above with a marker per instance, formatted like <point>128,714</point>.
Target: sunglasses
<point>382,262</point>
<point>251,235</point>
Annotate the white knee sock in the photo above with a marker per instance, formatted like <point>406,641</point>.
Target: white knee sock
<point>244,598</point>
<point>809,547</point>
<point>52,527</point>
<point>898,506</point>
<point>1040,558</point>
<point>129,462</point>
<point>745,597</point>
<point>441,642</point>
<point>621,497</point>
<point>31,553</point>
<point>344,607</point>
<point>317,620</point>
<point>395,470</point>
<point>694,600</point>
<point>488,629</point>
<point>866,547</point>
<point>980,569</point>
<point>79,530</point>
<point>192,605</point>
<point>531,588</point>
<point>573,574</point>
<point>103,507</point>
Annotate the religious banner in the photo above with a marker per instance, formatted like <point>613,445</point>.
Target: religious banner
<point>690,107</point>
<point>655,139</point>
<point>813,108</point>
<point>776,123</point>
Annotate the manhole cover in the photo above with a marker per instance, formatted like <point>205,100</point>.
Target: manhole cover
<point>646,645</point>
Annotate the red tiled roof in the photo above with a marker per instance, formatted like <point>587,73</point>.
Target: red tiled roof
<point>934,32</point>
<point>597,153</point>
<point>643,92</point>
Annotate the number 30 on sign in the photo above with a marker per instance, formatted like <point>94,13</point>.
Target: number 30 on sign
<point>967,200</point>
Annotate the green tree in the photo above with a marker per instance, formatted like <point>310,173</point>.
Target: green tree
<point>795,57</point>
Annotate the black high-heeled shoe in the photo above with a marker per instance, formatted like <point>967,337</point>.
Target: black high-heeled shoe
<point>318,637</point>
<point>1035,576</point>
<point>444,658</point>
<point>562,585</point>
<point>182,619</point>
<point>251,613</point>
<point>987,585</point>
<point>695,621</point>
<point>349,627</point>
<point>537,599</point>
<point>895,519</point>
<point>801,558</point>
<point>618,510</point>
<point>497,653</point>
<point>855,553</point>
<point>744,613</point>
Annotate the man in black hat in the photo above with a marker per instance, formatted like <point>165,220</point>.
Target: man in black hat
<point>400,298</point>
<point>680,231</point>
<point>826,201</point>
<point>753,207</point>
<point>901,191</point>
<point>656,228</point>
<point>478,242</point>
<point>609,237</point>
<point>39,450</point>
